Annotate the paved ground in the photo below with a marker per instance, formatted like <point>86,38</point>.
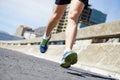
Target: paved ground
<point>18,66</point>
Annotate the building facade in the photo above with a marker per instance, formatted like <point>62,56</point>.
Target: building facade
<point>87,17</point>
<point>97,17</point>
<point>22,29</point>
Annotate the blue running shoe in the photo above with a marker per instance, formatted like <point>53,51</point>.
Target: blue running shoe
<point>44,45</point>
<point>68,59</point>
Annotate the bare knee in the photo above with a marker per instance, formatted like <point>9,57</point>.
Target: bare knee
<point>73,16</point>
<point>56,16</point>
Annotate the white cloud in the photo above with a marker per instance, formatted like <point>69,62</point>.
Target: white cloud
<point>27,9</point>
<point>33,13</point>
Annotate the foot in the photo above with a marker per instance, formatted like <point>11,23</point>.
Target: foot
<point>68,59</point>
<point>44,45</point>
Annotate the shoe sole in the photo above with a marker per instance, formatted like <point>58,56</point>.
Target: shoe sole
<point>69,60</point>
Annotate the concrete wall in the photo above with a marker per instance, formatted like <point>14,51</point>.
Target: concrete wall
<point>102,58</point>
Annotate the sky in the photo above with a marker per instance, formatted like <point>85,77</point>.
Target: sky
<point>35,13</point>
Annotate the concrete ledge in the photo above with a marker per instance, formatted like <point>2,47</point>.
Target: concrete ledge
<point>99,58</point>
<point>105,30</point>
<point>109,29</point>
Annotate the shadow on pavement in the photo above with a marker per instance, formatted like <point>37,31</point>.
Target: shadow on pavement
<point>84,74</point>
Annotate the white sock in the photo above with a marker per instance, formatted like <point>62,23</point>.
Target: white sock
<point>67,50</point>
<point>46,37</point>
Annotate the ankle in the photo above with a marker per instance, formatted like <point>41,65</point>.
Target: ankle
<point>68,50</point>
<point>46,37</point>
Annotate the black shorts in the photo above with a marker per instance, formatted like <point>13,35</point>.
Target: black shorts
<point>62,2</point>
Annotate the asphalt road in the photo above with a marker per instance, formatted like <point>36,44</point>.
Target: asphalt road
<point>18,66</point>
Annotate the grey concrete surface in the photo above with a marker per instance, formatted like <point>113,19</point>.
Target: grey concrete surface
<point>18,66</point>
